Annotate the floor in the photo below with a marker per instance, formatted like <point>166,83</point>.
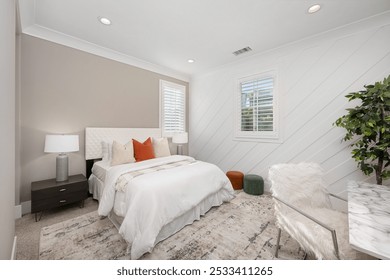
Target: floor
<point>28,231</point>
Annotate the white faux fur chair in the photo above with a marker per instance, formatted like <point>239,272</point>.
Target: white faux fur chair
<point>303,210</point>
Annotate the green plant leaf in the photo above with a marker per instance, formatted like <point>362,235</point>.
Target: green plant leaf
<point>369,123</point>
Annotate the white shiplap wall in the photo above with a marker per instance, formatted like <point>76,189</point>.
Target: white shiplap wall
<point>314,75</point>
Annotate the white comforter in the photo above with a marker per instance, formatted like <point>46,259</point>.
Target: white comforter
<point>157,198</point>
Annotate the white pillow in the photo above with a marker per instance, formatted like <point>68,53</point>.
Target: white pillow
<point>161,147</point>
<point>106,151</point>
<point>122,154</point>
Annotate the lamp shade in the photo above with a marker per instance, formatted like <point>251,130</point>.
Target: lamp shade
<point>61,143</point>
<point>180,138</point>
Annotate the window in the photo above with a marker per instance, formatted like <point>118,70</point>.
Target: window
<point>256,114</point>
<point>173,108</point>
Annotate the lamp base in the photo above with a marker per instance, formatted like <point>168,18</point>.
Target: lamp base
<point>180,149</point>
<point>61,167</point>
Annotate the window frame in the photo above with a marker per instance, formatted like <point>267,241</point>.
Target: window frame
<point>180,87</point>
<point>259,136</point>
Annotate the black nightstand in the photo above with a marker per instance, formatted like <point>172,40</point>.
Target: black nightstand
<point>48,194</point>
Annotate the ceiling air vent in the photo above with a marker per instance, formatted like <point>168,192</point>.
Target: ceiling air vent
<point>244,50</point>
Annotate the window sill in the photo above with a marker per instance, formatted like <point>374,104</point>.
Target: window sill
<point>260,139</point>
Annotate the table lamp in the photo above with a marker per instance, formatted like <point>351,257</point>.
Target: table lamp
<point>180,139</point>
<point>61,144</point>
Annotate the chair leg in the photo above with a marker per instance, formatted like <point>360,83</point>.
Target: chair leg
<point>277,243</point>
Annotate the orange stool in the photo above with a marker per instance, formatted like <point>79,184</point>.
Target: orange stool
<point>236,178</point>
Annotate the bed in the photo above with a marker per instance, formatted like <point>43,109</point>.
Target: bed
<point>151,200</point>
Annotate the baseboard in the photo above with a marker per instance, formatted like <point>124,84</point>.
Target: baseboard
<point>26,207</point>
<point>23,208</point>
<point>18,211</point>
<point>13,254</point>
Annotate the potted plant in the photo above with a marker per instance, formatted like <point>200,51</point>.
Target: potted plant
<point>368,127</point>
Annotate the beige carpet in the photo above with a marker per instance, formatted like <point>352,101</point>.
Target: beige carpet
<point>242,229</point>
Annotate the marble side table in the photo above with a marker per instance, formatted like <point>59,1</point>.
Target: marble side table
<point>369,218</point>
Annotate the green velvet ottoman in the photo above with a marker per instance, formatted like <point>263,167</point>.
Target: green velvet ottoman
<point>253,184</point>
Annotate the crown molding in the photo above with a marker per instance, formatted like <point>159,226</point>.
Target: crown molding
<point>76,43</point>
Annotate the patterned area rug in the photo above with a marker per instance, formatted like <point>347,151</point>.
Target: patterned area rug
<point>242,229</point>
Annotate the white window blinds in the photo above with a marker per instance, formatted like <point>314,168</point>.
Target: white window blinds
<point>172,107</point>
<point>257,112</point>
<point>256,108</point>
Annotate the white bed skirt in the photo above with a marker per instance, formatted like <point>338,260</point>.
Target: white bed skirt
<point>187,218</point>
<point>96,187</point>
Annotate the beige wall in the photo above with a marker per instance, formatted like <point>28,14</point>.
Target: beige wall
<point>7,127</point>
<point>64,90</point>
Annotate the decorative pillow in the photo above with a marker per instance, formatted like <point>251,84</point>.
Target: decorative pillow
<point>106,151</point>
<point>122,153</point>
<point>143,151</point>
<point>161,147</point>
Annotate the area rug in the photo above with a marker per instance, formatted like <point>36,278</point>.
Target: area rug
<point>241,229</point>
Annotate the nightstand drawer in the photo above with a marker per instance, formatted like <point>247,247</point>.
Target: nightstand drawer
<point>58,200</point>
<point>48,194</point>
<point>59,190</point>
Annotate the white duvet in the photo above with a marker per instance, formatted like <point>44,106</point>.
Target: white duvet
<point>155,199</point>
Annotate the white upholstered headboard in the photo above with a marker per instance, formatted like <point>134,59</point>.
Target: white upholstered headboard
<point>95,135</point>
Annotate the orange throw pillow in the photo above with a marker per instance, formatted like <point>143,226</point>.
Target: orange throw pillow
<point>143,151</point>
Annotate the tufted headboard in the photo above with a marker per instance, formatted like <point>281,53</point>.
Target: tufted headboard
<point>95,135</point>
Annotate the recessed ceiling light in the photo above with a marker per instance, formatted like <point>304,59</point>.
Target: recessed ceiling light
<point>190,61</point>
<point>314,8</point>
<point>104,20</point>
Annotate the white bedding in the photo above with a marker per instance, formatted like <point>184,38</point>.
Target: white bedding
<point>96,186</point>
<point>156,199</point>
<point>99,169</point>
<point>97,178</point>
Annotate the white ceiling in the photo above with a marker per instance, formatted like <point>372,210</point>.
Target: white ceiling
<point>166,33</point>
